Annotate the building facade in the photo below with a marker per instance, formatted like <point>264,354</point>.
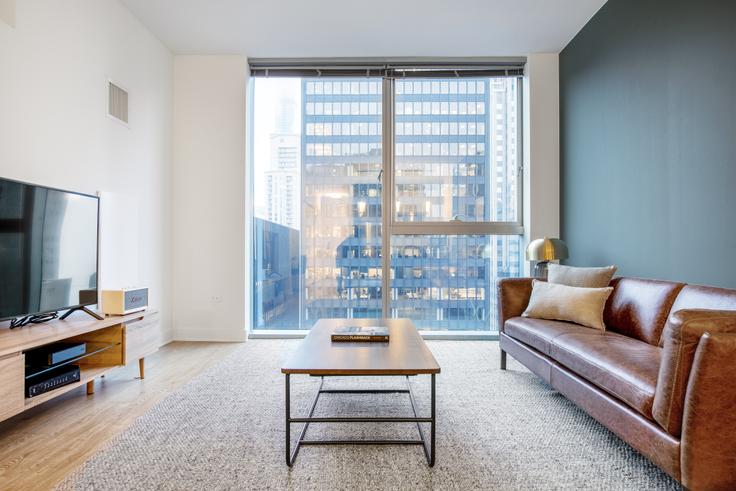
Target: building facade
<point>456,158</point>
<point>276,275</point>
<point>283,186</point>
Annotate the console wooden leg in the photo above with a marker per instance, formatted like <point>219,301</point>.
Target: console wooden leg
<point>91,387</point>
<point>142,367</point>
<point>503,360</point>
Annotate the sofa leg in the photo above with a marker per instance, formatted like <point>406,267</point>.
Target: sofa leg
<point>503,360</point>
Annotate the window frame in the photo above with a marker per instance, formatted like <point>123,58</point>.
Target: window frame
<point>390,225</point>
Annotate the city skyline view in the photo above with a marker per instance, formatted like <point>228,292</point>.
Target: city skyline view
<point>318,213</point>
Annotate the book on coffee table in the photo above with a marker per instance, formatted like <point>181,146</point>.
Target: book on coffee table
<point>375,334</point>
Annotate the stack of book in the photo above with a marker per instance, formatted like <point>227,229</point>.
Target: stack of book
<point>375,334</point>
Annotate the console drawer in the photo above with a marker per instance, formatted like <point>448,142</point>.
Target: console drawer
<point>142,337</point>
<point>12,377</point>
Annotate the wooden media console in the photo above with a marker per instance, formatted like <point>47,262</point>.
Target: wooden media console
<point>111,342</point>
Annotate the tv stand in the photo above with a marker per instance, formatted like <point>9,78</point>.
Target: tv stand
<point>83,309</point>
<point>125,339</point>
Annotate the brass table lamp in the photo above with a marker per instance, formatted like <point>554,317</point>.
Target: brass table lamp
<point>543,251</point>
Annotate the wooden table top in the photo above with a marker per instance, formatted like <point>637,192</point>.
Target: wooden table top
<point>34,335</point>
<point>405,354</point>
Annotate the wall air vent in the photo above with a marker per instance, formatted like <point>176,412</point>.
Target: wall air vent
<point>117,103</point>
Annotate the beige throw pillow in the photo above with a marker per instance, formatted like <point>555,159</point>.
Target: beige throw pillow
<point>582,277</point>
<point>582,306</point>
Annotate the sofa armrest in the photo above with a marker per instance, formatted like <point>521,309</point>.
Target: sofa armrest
<point>708,455</point>
<point>513,298</point>
<point>681,336</point>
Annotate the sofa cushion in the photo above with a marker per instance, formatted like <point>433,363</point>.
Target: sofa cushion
<point>639,308</point>
<point>538,333</point>
<point>624,367</point>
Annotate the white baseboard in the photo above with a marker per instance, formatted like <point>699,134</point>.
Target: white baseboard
<point>214,335</point>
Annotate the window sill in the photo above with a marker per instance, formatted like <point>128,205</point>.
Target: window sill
<point>428,335</point>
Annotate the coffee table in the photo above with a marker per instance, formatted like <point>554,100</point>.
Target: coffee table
<point>406,355</point>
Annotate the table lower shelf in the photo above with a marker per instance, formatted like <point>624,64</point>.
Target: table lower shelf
<point>87,373</point>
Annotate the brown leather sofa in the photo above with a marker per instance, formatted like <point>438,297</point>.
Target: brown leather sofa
<point>662,376</point>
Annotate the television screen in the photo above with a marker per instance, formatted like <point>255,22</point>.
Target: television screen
<point>48,249</point>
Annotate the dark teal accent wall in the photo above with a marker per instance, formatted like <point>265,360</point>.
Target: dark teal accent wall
<point>648,140</point>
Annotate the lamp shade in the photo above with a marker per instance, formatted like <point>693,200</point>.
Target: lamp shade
<point>546,250</point>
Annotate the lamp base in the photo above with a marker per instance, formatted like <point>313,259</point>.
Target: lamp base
<point>540,270</point>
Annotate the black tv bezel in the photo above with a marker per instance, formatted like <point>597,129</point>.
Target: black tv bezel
<point>97,251</point>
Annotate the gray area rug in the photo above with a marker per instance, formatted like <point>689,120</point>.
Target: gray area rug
<point>496,430</point>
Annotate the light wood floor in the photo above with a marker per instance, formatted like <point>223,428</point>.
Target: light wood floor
<point>40,447</point>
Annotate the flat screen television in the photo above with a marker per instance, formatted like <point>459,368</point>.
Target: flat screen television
<point>48,249</point>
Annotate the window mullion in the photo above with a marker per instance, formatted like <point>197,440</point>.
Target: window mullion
<point>387,191</point>
<point>457,228</point>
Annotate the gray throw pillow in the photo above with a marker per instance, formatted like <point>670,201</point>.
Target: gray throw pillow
<point>581,277</point>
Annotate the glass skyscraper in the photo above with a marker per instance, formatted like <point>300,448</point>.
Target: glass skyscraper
<point>455,159</point>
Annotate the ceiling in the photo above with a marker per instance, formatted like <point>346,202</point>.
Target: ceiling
<point>350,28</point>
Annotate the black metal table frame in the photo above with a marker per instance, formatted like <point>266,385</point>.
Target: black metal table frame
<point>428,446</point>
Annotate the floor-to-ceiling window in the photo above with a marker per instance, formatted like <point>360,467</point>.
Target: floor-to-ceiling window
<point>420,163</point>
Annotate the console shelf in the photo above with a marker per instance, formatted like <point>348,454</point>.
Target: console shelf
<point>92,349</point>
<point>86,375</point>
<point>111,342</point>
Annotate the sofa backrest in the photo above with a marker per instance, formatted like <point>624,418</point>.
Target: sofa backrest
<point>704,297</point>
<point>639,308</point>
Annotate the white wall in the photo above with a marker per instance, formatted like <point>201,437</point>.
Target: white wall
<point>541,147</point>
<point>209,197</point>
<point>54,130</point>
<point>210,294</point>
